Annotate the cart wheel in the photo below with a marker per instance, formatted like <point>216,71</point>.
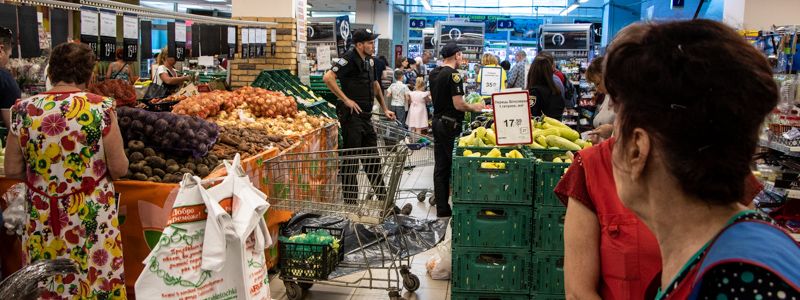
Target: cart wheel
<point>293,290</point>
<point>421,196</point>
<point>305,285</point>
<point>411,282</point>
<point>432,201</point>
<point>394,295</point>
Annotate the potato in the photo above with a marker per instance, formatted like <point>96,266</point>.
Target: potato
<point>140,177</point>
<point>185,170</point>
<point>154,179</point>
<point>173,168</point>
<point>159,172</point>
<point>136,157</point>
<point>135,145</point>
<point>149,152</point>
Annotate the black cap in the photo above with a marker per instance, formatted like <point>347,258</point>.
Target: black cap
<point>450,49</point>
<point>364,35</point>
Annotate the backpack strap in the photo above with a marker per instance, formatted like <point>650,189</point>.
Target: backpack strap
<point>756,243</point>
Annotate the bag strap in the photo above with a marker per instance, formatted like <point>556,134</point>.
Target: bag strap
<point>218,227</point>
<point>114,76</point>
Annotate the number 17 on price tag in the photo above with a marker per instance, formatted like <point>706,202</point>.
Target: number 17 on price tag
<point>512,118</point>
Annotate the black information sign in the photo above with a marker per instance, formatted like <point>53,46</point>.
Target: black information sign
<point>90,28</point>
<point>230,36</point>
<point>130,41</point>
<point>146,39</point>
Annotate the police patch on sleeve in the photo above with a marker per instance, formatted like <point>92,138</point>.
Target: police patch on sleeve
<point>456,77</point>
<point>341,62</point>
<point>335,69</point>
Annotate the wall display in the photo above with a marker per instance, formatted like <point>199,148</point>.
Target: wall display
<point>574,40</point>
<point>130,36</point>
<point>512,117</point>
<point>526,29</point>
<point>90,28</point>
<point>58,34</point>
<point>108,35</point>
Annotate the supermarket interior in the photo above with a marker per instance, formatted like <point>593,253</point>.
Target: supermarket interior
<point>400,149</point>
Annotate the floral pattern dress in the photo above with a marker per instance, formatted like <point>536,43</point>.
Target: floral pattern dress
<point>73,207</point>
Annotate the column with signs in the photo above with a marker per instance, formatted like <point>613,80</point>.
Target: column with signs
<point>108,34</point>
<point>130,36</point>
<point>231,42</point>
<point>90,27</point>
<point>512,117</point>
<point>491,80</point>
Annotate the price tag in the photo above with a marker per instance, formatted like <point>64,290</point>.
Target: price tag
<point>130,27</point>
<point>512,117</point>
<point>231,35</point>
<point>108,23</point>
<point>491,80</point>
<point>180,32</point>
<point>323,58</point>
<point>89,22</point>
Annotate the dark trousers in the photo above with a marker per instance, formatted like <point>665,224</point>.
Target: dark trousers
<point>357,132</point>
<point>444,133</point>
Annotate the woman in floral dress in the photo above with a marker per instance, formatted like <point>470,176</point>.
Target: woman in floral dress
<point>66,145</point>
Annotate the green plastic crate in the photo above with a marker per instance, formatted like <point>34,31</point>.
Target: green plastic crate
<point>491,270</point>
<point>548,229</point>
<point>548,274</point>
<point>492,225</point>
<point>474,184</point>
<point>546,176</point>
<point>538,296</point>
<point>486,296</point>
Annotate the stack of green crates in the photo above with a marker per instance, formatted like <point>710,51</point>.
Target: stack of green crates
<point>321,89</point>
<point>492,220</point>
<point>548,227</point>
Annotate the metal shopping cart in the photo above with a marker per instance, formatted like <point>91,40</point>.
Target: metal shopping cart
<point>359,184</point>
<point>393,132</point>
<point>24,284</point>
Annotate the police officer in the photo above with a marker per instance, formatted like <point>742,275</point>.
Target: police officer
<point>360,86</point>
<point>447,91</point>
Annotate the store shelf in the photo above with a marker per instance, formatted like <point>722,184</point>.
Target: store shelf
<point>790,151</point>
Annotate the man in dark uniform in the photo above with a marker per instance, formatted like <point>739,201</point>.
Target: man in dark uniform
<point>360,86</point>
<point>447,91</point>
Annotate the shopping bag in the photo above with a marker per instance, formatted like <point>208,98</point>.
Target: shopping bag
<point>440,264</point>
<point>189,259</point>
<point>249,207</point>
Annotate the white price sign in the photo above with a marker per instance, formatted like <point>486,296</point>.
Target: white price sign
<point>245,36</point>
<point>323,58</point>
<point>491,80</point>
<point>512,118</point>
<point>263,36</point>
<point>252,36</point>
<point>90,23</point>
<point>180,32</point>
<point>130,27</point>
<point>108,23</point>
<point>231,35</point>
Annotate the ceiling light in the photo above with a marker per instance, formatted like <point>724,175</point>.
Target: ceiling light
<point>216,0</point>
<point>569,9</point>
<point>426,4</point>
<point>583,1</point>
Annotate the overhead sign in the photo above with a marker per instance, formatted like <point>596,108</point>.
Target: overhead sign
<point>678,4</point>
<point>491,80</point>
<point>512,117</point>
<point>108,35</point>
<point>130,34</point>
<point>90,28</point>
<point>416,24</point>
<point>505,25</point>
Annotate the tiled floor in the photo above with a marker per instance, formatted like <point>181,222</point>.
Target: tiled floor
<point>417,178</point>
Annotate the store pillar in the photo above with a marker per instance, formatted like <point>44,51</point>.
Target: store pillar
<point>380,14</point>
<point>616,15</point>
<point>290,36</point>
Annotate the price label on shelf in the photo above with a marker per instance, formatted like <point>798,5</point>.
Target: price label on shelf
<point>512,118</point>
<point>90,22</point>
<point>130,27</point>
<point>491,80</point>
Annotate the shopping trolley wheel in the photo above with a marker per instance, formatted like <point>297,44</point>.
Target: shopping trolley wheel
<point>421,196</point>
<point>305,285</point>
<point>293,290</point>
<point>432,200</point>
<point>395,295</point>
<point>410,282</point>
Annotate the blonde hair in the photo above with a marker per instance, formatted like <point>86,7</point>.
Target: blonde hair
<point>488,59</point>
<point>420,86</point>
<point>162,56</point>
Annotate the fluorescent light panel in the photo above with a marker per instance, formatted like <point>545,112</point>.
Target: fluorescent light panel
<point>426,4</point>
<point>569,9</point>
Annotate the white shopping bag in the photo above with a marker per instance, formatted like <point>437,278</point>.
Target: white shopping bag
<point>249,207</point>
<point>207,253</point>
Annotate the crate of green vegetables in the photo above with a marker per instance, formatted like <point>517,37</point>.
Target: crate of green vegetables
<point>313,254</point>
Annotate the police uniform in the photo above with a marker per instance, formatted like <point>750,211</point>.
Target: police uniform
<point>445,82</point>
<point>357,78</point>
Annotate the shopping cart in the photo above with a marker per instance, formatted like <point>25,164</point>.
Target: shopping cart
<point>24,284</point>
<point>393,132</point>
<point>359,184</point>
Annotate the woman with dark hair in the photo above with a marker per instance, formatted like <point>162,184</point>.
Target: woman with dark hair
<point>540,84</point>
<point>66,146</point>
<point>407,66</point>
<point>604,117</point>
<point>690,98</point>
<point>120,68</point>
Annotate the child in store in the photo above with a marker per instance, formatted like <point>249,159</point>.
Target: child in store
<point>398,92</point>
<point>418,112</point>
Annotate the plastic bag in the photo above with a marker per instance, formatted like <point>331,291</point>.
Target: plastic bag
<point>207,252</point>
<point>15,216</point>
<point>440,264</point>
